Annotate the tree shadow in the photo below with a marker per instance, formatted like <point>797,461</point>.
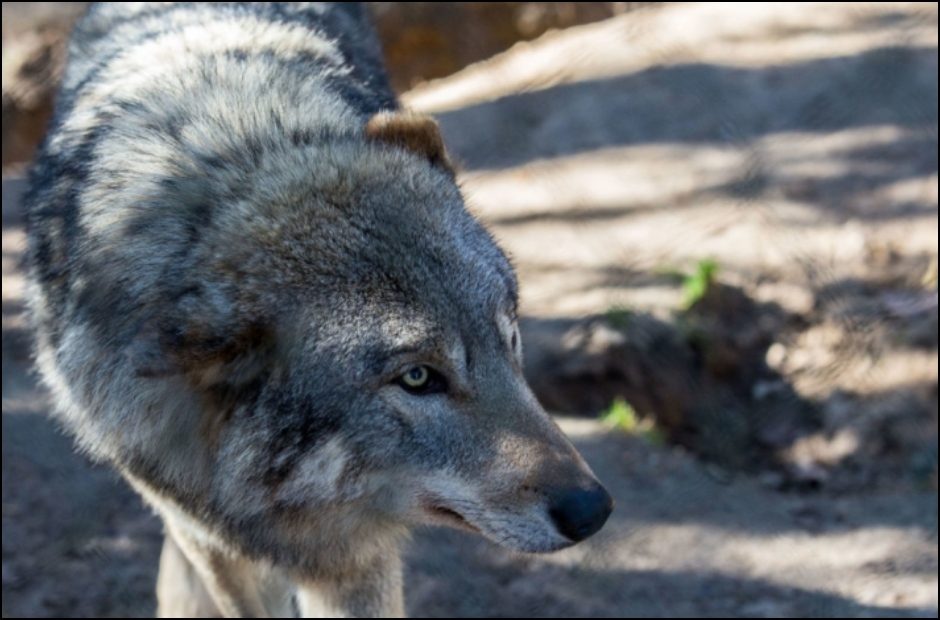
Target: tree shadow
<point>450,574</point>
<point>664,104</point>
<point>70,523</point>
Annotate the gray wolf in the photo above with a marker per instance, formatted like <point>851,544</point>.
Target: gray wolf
<point>257,293</point>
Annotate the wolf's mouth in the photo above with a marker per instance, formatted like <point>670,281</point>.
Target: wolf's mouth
<point>446,516</point>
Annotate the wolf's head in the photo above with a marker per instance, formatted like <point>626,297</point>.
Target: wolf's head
<point>363,353</point>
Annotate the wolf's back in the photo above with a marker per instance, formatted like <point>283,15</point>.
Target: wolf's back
<point>174,121</point>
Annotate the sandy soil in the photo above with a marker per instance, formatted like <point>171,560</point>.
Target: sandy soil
<point>794,145</point>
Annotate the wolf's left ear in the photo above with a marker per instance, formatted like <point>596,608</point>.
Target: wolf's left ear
<point>418,133</point>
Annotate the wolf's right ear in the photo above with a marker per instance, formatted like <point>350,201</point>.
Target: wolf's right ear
<point>195,336</point>
<point>418,133</point>
<point>156,353</point>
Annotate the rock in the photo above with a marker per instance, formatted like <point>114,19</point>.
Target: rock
<point>580,365</point>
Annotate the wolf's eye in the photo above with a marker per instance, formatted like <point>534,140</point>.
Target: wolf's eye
<point>416,376</point>
<point>422,380</point>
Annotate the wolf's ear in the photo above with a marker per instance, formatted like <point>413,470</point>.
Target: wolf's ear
<point>165,351</point>
<point>195,337</point>
<point>418,133</point>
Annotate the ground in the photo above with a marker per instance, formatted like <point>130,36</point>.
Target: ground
<point>792,146</point>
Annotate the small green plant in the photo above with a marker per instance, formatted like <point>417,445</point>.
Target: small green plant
<point>622,416</point>
<point>696,284</point>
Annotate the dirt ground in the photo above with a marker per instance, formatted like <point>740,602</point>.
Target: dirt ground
<point>795,147</point>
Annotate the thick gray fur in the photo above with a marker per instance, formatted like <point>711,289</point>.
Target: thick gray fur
<point>228,273</point>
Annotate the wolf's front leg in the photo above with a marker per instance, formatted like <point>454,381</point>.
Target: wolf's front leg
<point>372,593</point>
<point>235,585</point>
<point>180,591</point>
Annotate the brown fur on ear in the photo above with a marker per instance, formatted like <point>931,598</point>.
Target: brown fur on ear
<point>162,350</point>
<point>418,133</point>
<point>200,329</point>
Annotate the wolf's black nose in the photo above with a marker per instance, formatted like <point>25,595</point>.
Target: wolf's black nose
<point>579,513</point>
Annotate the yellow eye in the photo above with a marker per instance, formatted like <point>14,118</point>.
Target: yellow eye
<point>422,380</point>
<point>416,376</point>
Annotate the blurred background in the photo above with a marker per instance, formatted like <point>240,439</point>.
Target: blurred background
<point>724,220</point>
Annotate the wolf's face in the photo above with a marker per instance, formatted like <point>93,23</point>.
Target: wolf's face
<point>411,366</point>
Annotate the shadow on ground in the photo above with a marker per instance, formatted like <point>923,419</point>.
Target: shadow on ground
<point>885,86</point>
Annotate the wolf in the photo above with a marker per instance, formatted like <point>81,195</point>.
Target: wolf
<point>258,294</point>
